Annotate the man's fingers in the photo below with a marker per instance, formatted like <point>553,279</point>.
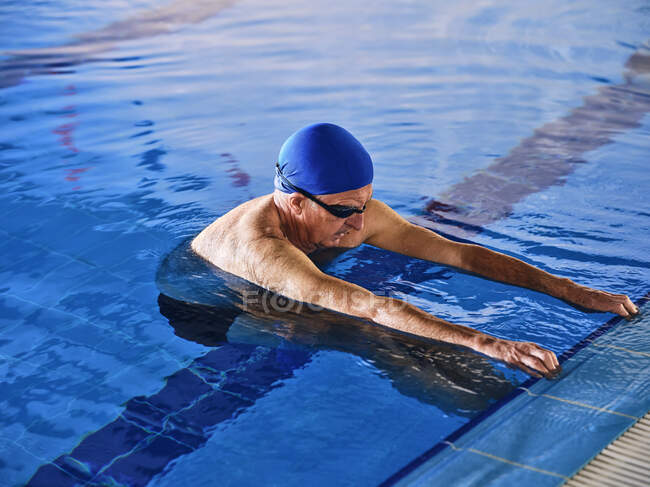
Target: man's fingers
<point>546,356</point>
<point>527,356</point>
<point>620,310</point>
<point>629,306</point>
<point>535,363</point>
<point>606,301</point>
<point>532,356</point>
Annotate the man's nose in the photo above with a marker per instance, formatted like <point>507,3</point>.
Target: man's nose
<point>355,221</point>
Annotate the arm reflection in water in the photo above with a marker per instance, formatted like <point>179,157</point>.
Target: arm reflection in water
<point>203,304</point>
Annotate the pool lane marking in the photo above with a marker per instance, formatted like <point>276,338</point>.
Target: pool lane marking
<point>506,460</point>
<point>580,404</point>
<point>549,155</point>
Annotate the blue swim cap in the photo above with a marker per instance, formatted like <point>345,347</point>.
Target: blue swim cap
<point>323,159</point>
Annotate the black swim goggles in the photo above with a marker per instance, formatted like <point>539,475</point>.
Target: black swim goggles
<point>339,211</point>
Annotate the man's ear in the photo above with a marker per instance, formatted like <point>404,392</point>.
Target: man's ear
<point>297,203</point>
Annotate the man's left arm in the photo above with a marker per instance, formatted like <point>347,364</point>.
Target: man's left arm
<point>388,230</point>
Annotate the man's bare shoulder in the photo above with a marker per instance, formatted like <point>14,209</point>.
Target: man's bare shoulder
<point>381,219</point>
<point>223,241</point>
<point>248,242</point>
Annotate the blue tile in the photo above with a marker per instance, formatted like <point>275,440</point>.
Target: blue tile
<point>193,439</point>
<point>16,464</point>
<point>632,335</point>
<point>15,251</point>
<point>224,358</point>
<point>549,435</point>
<point>604,378</point>
<point>240,390</point>
<point>182,389</point>
<point>24,325</point>
<point>137,468</point>
<point>116,250</point>
<point>470,469</point>
<point>140,268</point>
<point>74,467</point>
<point>107,299</point>
<point>49,288</point>
<point>52,476</point>
<point>21,277</point>
<point>142,413</point>
<point>210,411</point>
<point>99,448</point>
<point>267,367</point>
<point>58,228</point>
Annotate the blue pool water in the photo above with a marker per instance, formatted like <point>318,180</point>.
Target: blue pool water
<point>129,126</point>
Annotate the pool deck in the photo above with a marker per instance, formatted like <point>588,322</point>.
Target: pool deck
<point>547,430</point>
<point>624,462</point>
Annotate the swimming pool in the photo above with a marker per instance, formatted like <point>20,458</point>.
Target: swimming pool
<point>120,146</point>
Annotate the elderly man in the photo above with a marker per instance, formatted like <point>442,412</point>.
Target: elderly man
<point>323,198</point>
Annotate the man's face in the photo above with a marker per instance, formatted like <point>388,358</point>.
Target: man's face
<point>326,229</point>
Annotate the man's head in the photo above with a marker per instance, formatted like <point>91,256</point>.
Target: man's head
<point>324,177</point>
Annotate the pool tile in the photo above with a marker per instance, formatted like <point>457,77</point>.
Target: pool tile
<point>142,413</point>
<point>267,367</point>
<point>106,299</point>
<point>632,335</point>
<point>145,292</point>
<point>101,447</point>
<point>240,390</point>
<point>192,439</point>
<point>151,458</point>
<point>611,372</point>
<point>549,435</point>
<point>142,377</point>
<point>19,278</point>
<point>470,469</point>
<point>224,358</point>
<point>16,464</point>
<point>50,475</point>
<point>63,230</point>
<point>601,378</point>
<point>182,389</point>
<point>210,411</point>
<point>16,251</point>
<point>139,268</point>
<point>74,467</point>
<point>49,288</point>
<point>117,250</point>
<point>24,325</point>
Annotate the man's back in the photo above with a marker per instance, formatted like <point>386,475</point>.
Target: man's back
<point>230,237</point>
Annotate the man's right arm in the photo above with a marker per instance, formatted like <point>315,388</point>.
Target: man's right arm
<point>280,267</point>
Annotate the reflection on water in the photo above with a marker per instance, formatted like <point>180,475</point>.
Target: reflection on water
<point>203,303</point>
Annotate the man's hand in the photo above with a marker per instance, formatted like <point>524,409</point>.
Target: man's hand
<point>527,356</point>
<point>603,301</point>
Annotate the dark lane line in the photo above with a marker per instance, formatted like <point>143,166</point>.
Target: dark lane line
<point>152,431</point>
<point>545,158</point>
